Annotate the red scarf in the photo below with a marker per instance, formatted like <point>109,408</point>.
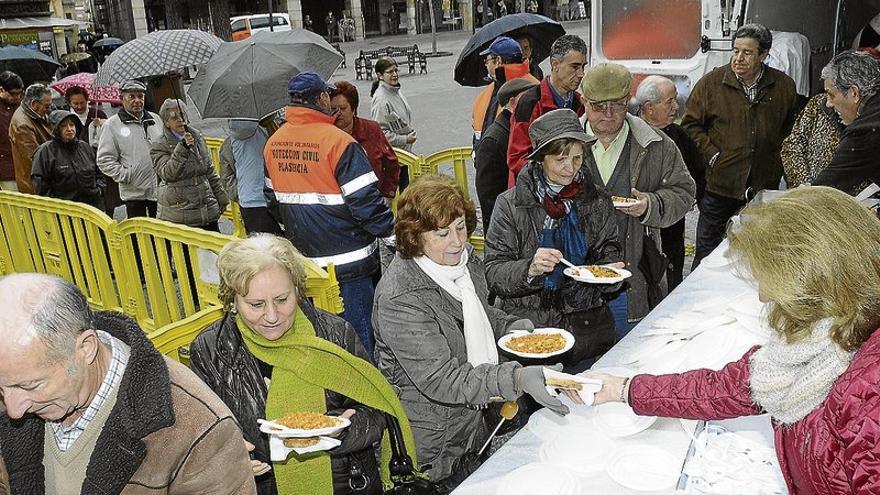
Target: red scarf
<point>555,207</point>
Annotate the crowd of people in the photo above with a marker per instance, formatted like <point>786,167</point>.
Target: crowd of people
<point>88,402</point>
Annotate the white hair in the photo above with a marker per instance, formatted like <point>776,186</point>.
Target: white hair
<point>649,90</point>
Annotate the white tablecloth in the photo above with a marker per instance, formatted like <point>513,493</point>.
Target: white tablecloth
<point>708,290</point>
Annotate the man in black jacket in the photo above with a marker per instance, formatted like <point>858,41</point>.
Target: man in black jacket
<point>657,102</point>
<point>491,157</point>
<point>852,80</point>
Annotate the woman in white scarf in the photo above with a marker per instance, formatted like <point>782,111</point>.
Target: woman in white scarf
<point>436,333</point>
<point>815,255</point>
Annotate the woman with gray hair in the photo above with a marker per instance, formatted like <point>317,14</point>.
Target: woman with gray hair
<point>190,191</point>
<point>852,80</point>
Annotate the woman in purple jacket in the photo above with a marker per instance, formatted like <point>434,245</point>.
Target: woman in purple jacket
<point>814,255</point>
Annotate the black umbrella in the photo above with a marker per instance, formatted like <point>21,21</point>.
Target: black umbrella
<point>108,43</point>
<point>31,65</point>
<point>470,69</point>
<point>248,79</point>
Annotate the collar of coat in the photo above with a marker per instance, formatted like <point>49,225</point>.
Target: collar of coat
<point>229,342</point>
<point>127,118</point>
<point>524,193</point>
<point>26,108</point>
<point>307,114</point>
<point>416,279</point>
<point>143,406</point>
<point>768,78</point>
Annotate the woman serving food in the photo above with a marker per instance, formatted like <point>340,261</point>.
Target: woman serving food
<point>555,212</point>
<point>274,355</point>
<point>813,253</point>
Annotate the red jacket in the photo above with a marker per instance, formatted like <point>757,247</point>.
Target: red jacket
<point>382,158</point>
<point>531,104</point>
<point>7,170</point>
<point>833,450</point>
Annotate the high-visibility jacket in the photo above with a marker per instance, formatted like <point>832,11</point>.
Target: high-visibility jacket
<point>485,107</point>
<point>321,182</point>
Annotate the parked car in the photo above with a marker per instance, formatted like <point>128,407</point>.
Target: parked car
<point>244,26</point>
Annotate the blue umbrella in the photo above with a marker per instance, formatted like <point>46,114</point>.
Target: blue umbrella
<point>31,65</point>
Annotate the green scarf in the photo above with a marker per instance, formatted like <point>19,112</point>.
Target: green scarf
<point>304,366</point>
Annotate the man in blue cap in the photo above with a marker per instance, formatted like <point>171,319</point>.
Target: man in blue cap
<point>504,62</point>
<point>321,184</point>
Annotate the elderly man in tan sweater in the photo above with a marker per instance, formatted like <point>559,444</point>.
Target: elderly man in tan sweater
<point>90,406</point>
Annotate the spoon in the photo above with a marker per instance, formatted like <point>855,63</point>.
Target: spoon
<point>568,263</point>
<point>508,411</point>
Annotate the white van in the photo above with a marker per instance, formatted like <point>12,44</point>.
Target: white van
<point>244,26</point>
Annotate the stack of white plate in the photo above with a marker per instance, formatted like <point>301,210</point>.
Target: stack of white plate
<point>546,424</point>
<point>615,419</point>
<point>583,450</point>
<point>540,478</point>
<point>644,468</point>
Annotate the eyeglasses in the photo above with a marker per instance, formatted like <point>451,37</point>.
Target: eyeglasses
<point>608,106</point>
<point>392,71</point>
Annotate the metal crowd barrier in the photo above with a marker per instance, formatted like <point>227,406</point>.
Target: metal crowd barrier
<point>159,273</point>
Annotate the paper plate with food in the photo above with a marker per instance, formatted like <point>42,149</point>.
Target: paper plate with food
<point>598,274</point>
<point>303,425</point>
<point>538,344</point>
<point>280,448</point>
<point>623,202</point>
<point>585,387</point>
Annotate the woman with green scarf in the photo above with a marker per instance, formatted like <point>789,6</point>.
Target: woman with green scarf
<point>274,353</point>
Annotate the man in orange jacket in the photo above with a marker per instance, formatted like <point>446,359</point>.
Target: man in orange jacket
<point>323,188</point>
<point>504,62</point>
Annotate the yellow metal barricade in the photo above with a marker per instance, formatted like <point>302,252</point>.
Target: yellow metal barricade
<point>233,211</point>
<point>155,271</point>
<point>169,270</point>
<point>174,339</point>
<point>71,240</point>
<point>214,145</point>
<point>415,163</point>
<point>421,165</point>
<point>459,158</point>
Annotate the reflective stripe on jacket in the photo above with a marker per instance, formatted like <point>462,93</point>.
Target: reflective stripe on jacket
<point>326,192</point>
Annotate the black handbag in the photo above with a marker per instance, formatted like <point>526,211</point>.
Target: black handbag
<point>404,476</point>
<point>653,266</point>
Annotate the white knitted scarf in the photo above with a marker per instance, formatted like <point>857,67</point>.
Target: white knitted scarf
<point>479,338</point>
<point>791,380</point>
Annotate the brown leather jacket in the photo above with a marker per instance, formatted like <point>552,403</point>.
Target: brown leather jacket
<point>747,136</point>
<point>27,131</point>
<point>167,433</point>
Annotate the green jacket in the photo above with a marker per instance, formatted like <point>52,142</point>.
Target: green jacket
<point>657,169</point>
<point>747,136</point>
<point>190,192</point>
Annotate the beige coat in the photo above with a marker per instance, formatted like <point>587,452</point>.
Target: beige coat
<point>27,131</point>
<point>167,433</point>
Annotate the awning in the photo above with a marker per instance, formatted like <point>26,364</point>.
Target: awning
<point>39,22</point>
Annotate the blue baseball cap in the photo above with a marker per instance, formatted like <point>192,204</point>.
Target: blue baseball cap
<point>504,47</point>
<point>308,83</point>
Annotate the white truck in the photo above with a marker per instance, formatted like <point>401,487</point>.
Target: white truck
<point>684,39</point>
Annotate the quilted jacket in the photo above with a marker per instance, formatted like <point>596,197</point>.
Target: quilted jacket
<point>832,451</point>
